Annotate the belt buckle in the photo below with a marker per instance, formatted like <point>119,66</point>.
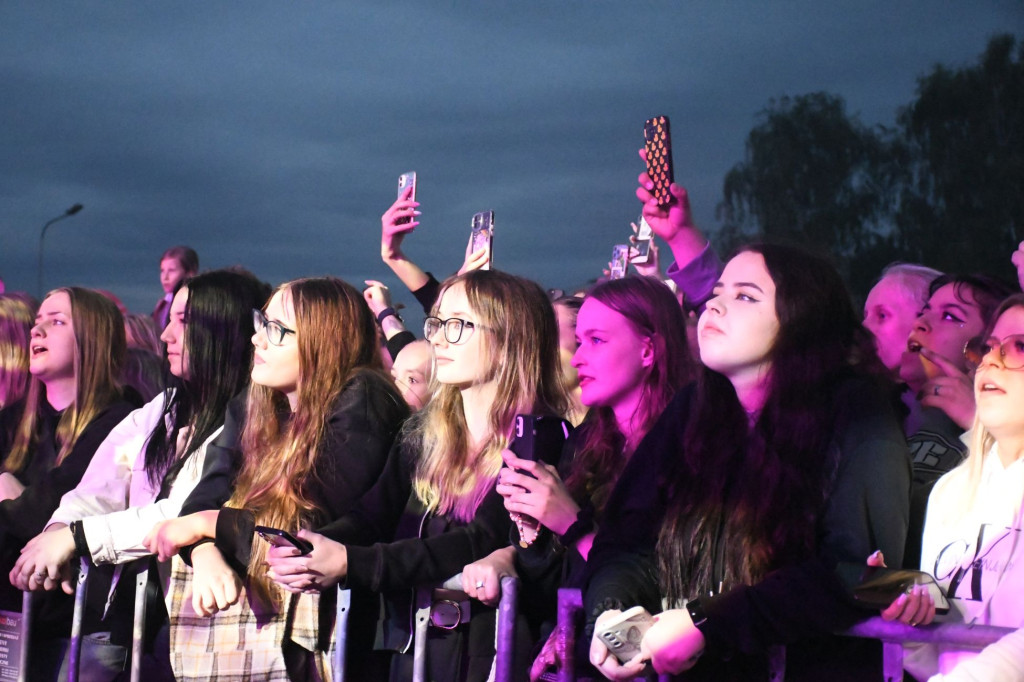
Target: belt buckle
<point>445,614</point>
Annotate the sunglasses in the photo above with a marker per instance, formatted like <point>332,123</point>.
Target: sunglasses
<point>1011,351</point>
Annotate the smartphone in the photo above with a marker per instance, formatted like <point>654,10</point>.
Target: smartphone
<point>406,180</point>
<point>623,633</point>
<point>620,259</point>
<point>483,235</point>
<point>282,538</point>
<point>539,438</point>
<point>644,234</point>
<point>658,143</point>
<point>877,587</point>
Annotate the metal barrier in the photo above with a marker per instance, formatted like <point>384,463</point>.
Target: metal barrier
<point>893,636</point>
<point>341,633</point>
<point>505,637</point>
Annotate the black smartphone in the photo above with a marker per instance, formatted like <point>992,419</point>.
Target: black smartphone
<point>482,234</point>
<point>876,587</point>
<point>282,538</point>
<point>540,438</point>
<point>406,180</point>
<point>658,143</point>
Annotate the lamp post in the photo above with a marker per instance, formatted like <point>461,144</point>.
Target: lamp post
<point>42,235</point>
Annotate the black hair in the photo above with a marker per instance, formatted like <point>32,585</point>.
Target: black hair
<point>747,496</point>
<point>218,341</point>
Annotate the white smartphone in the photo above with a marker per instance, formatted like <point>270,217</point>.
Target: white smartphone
<point>623,633</point>
<point>644,235</point>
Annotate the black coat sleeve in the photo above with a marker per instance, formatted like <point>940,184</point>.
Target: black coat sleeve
<point>221,464</point>
<point>361,430</point>
<point>25,516</point>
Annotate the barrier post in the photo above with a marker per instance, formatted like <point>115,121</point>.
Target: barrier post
<point>341,632</point>
<point>505,652</point>
<point>76,622</point>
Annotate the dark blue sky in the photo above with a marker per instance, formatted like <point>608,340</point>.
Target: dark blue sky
<point>271,134</point>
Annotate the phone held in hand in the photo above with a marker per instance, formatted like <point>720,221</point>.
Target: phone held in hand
<point>658,143</point>
<point>620,260</point>
<point>282,538</point>
<point>644,234</point>
<point>622,634</point>
<point>540,438</point>
<point>406,180</point>
<point>877,587</point>
<point>482,235</point>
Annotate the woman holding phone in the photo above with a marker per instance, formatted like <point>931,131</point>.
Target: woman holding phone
<point>783,458</point>
<point>320,420</point>
<point>495,344</point>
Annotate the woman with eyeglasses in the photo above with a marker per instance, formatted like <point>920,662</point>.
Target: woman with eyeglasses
<point>320,421</point>
<point>495,346</point>
<point>974,531</point>
<point>151,461</point>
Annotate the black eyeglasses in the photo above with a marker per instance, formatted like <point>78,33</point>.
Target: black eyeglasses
<point>275,330</point>
<point>453,328</point>
<point>1011,351</point>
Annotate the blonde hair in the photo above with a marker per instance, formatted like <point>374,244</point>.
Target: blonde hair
<point>99,354</point>
<point>522,348</point>
<point>336,336</point>
<point>981,440</point>
<point>15,326</point>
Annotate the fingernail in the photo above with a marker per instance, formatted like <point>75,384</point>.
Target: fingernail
<point>877,554</point>
<point>417,213</point>
<point>902,600</point>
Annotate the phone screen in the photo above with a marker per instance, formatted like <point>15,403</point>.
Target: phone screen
<point>482,235</point>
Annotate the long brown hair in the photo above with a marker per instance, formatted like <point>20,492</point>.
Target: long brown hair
<point>336,336</point>
<point>652,312</point>
<point>522,347</point>
<point>98,356</point>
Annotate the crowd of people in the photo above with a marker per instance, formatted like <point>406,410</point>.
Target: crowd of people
<point>725,440</point>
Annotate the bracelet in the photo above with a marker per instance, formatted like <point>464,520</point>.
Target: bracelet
<point>583,524</point>
<point>387,312</point>
<point>78,534</point>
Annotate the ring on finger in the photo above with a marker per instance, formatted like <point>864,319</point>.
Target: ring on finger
<point>479,584</point>
<point>935,391</point>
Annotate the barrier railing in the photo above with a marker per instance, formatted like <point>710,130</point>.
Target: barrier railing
<point>893,636</point>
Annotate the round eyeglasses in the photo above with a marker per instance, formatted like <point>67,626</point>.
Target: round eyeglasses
<point>275,330</point>
<point>454,328</point>
<point>1011,351</point>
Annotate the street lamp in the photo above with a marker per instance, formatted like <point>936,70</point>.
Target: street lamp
<point>42,235</point>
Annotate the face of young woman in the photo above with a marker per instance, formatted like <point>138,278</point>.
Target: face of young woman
<point>174,335</point>
<point>945,325</point>
<point>53,340</point>
<point>739,324</point>
<point>273,366</point>
<point>998,391</point>
<point>171,273</point>
<point>464,363</point>
<point>612,359</point>
<point>567,343</point>
<point>889,314</point>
